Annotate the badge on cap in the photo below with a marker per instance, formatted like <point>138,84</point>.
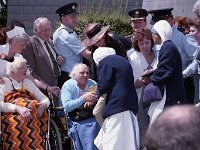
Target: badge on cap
<point>137,12</point>
<point>73,7</point>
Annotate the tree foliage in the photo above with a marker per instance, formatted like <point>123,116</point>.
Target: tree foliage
<point>3,13</point>
<point>113,14</point>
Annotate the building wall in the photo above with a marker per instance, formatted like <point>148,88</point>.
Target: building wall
<point>29,10</point>
<point>181,7</point>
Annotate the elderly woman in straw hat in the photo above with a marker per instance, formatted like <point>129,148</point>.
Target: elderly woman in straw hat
<point>25,129</point>
<point>96,35</point>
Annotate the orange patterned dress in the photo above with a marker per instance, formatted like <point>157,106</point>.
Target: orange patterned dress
<point>17,133</point>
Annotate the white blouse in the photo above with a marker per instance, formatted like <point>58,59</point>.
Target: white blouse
<point>139,65</point>
<point>27,84</point>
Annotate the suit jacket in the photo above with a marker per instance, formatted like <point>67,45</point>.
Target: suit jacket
<point>38,62</point>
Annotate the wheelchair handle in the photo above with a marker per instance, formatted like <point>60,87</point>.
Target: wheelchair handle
<point>56,108</point>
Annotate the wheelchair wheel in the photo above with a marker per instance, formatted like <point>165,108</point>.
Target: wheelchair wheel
<point>54,142</point>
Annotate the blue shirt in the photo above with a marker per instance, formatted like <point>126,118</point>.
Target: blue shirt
<point>186,48</point>
<point>68,45</point>
<point>71,94</point>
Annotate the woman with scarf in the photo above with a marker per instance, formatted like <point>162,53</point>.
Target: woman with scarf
<point>24,121</point>
<point>169,69</point>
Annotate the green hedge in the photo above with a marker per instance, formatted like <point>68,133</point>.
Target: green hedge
<point>114,14</point>
<point>118,23</point>
<point>3,13</point>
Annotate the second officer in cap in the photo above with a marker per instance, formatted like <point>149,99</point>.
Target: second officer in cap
<point>66,41</point>
<point>138,23</point>
<point>138,19</point>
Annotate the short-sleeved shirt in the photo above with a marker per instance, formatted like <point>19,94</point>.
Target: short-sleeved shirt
<point>68,45</point>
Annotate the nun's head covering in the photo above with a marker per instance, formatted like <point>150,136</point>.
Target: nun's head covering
<point>17,31</point>
<point>163,29</point>
<point>102,52</point>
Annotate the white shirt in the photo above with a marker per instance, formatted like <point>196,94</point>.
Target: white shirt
<point>139,65</point>
<point>52,51</point>
<point>27,84</point>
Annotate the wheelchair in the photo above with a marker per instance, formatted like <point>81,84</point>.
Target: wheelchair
<point>57,137</point>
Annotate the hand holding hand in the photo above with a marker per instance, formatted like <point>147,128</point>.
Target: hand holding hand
<point>25,112</point>
<point>90,97</point>
<point>88,104</point>
<point>41,107</point>
<point>145,80</point>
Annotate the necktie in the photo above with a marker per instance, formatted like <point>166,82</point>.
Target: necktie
<point>55,65</point>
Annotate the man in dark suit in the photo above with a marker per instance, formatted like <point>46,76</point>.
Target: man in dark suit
<point>40,55</point>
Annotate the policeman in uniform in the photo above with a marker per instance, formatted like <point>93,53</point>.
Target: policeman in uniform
<point>186,48</point>
<point>66,41</point>
<point>138,23</point>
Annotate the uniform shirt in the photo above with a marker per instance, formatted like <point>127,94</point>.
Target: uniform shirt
<point>71,94</point>
<point>68,45</point>
<point>27,84</point>
<point>186,48</point>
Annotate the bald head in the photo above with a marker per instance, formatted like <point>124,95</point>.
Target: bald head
<point>178,114</point>
<point>176,128</point>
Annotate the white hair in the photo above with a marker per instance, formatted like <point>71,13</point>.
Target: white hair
<point>196,7</point>
<point>12,67</point>
<point>75,69</point>
<point>38,22</point>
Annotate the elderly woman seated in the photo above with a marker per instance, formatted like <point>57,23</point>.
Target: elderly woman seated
<point>24,118</point>
<point>78,96</point>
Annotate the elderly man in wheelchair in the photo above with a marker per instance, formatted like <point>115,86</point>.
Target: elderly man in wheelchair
<point>24,119</point>
<point>78,96</point>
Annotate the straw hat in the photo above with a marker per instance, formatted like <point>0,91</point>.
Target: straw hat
<point>93,32</point>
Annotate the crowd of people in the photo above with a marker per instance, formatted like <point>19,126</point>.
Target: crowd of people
<point>121,96</point>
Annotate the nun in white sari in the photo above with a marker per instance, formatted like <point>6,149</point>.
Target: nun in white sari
<point>169,70</point>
